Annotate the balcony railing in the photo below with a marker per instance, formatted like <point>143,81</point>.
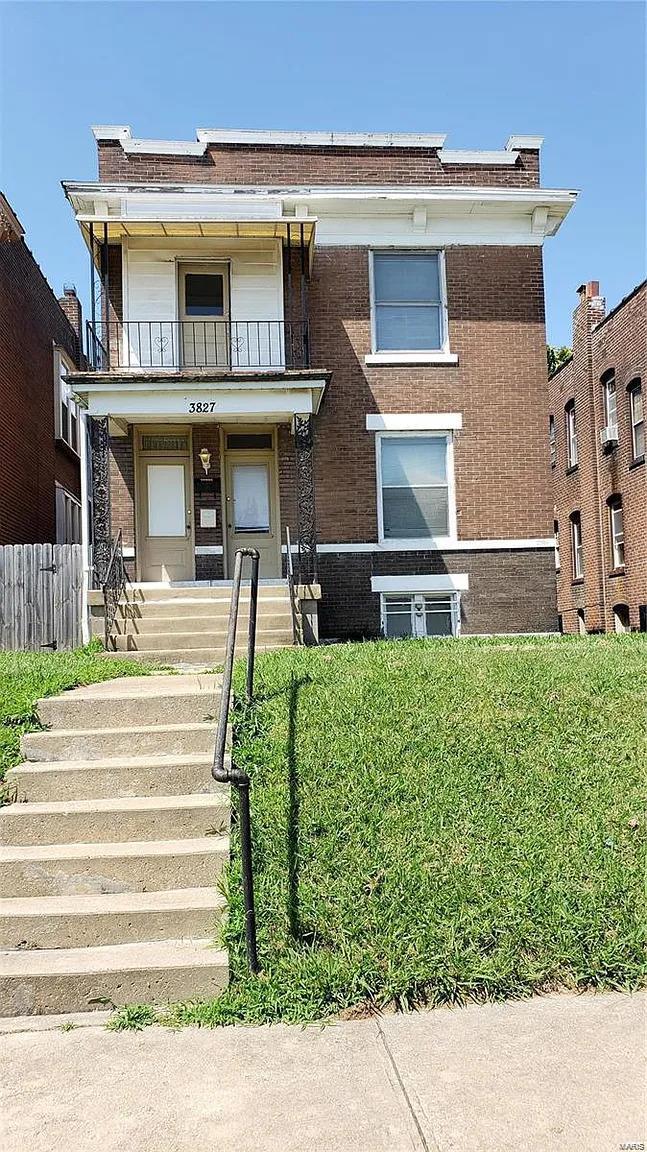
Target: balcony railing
<point>197,345</point>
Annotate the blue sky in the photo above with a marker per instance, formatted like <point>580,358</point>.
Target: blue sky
<point>573,72</point>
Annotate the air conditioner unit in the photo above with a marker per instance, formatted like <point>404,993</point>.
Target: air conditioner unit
<point>609,436</point>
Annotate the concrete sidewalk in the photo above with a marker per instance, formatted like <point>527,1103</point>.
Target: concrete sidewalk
<point>552,1074</point>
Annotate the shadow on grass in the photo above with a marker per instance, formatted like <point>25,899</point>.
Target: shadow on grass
<point>294,809</point>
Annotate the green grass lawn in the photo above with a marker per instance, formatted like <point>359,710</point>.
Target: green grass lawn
<point>437,822</point>
<point>27,676</point>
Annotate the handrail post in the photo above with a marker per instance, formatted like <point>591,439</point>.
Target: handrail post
<point>230,774</point>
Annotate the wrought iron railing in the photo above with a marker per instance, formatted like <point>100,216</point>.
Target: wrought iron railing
<point>227,772</point>
<point>113,586</point>
<point>191,345</point>
<point>296,636</point>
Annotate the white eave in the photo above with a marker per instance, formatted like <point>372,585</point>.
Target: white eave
<point>462,156</point>
<point>322,139</point>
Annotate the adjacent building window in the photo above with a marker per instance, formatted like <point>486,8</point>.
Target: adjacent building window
<point>621,621</point>
<point>66,411</point>
<point>557,558</point>
<point>581,622</point>
<point>616,530</point>
<point>571,435</point>
<point>68,517</point>
<point>610,399</point>
<point>552,439</point>
<point>407,302</point>
<point>414,482</point>
<point>577,550</point>
<point>420,615</point>
<point>637,420</point>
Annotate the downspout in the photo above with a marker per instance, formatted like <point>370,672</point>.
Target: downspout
<point>86,544</point>
<point>596,457</point>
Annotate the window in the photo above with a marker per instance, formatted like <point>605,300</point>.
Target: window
<point>571,435</point>
<point>616,531</point>
<point>637,420</point>
<point>204,294</point>
<point>66,414</point>
<point>68,517</point>
<point>414,478</point>
<point>407,302</point>
<point>610,399</point>
<point>552,439</point>
<point>581,622</point>
<point>556,533</point>
<point>420,615</point>
<point>642,617</point>
<point>250,440</point>
<point>577,551</point>
<point>621,621</point>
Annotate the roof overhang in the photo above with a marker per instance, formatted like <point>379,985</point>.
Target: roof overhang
<point>154,396</point>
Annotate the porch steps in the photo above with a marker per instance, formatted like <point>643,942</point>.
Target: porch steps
<point>187,624</point>
<point>109,862</point>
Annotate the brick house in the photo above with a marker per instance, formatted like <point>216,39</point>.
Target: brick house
<point>339,334</point>
<point>41,428</point>
<point>597,433</point>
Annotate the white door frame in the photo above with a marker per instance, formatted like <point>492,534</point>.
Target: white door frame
<point>138,456</point>
<point>275,509</point>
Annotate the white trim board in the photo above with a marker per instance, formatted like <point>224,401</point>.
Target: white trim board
<point>413,421</point>
<point>208,549</point>
<point>377,359</point>
<point>433,545</point>
<point>467,156</point>
<point>444,582</point>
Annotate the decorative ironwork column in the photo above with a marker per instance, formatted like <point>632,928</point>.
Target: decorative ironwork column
<point>306,518</point>
<point>101,519</point>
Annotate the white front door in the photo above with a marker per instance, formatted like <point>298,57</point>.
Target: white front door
<point>252,515</point>
<point>204,315</point>
<point>164,532</point>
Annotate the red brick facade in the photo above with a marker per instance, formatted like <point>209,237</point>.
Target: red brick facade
<point>32,322</point>
<point>601,344</point>
<point>495,309</point>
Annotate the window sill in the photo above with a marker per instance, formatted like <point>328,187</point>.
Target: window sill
<point>577,581</point>
<point>417,544</point>
<point>617,572</point>
<point>67,448</point>
<point>376,359</point>
<point>571,469</point>
<point>637,462</point>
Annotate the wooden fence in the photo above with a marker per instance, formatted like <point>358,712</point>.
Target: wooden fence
<point>41,598</point>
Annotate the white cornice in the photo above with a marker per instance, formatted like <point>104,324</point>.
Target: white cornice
<point>321,139</point>
<point>531,143</point>
<point>493,159</point>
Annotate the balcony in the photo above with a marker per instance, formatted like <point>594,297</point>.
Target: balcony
<point>198,346</point>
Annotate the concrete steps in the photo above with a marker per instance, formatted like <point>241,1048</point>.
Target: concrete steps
<point>52,980</point>
<point>187,624</point>
<point>109,863</point>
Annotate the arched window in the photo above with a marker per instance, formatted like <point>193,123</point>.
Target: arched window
<point>581,622</point>
<point>621,621</point>
<point>608,381</point>
<point>577,549</point>
<point>637,419</point>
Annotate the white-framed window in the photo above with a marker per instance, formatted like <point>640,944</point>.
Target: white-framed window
<point>68,517</point>
<point>571,435</point>
<point>415,478</point>
<point>66,410</point>
<point>616,532</point>
<point>637,419</point>
<point>558,562</point>
<point>577,549</point>
<point>408,297</point>
<point>420,614</point>
<point>610,399</point>
<point>552,440</point>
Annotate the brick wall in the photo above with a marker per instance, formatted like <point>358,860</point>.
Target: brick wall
<point>276,164</point>
<point>31,323</point>
<point>618,342</point>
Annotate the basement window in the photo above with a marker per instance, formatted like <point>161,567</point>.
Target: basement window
<point>420,615</point>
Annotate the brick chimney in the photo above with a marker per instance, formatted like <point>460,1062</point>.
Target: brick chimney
<point>589,295</point>
<point>71,306</point>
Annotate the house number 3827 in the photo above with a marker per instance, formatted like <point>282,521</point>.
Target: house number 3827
<point>202,406</point>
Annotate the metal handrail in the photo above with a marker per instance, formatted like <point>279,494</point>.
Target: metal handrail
<point>228,773</point>
<point>191,345</point>
<point>291,592</point>
<point>113,585</point>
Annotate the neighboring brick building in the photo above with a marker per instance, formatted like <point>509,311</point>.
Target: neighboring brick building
<point>597,429</point>
<point>352,323</point>
<point>40,427</point>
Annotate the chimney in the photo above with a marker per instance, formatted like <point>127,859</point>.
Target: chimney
<point>71,306</point>
<point>589,294</point>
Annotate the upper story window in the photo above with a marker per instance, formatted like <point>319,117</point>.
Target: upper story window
<point>408,302</point>
<point>571,435</point>
<point>610,399</point>
<point>577,549</point>
<point>66,410</point>
<point>616,531</point>
<point>558,562</point>
<point>68,517</point>
<point>552,440</point>
<point>415,482</point>
<point>637,420</point>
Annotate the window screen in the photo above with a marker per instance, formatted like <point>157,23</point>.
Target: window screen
<point>408,305</point>
<point>250,440</point>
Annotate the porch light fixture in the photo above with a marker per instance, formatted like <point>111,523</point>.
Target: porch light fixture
<point>205,459</point>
